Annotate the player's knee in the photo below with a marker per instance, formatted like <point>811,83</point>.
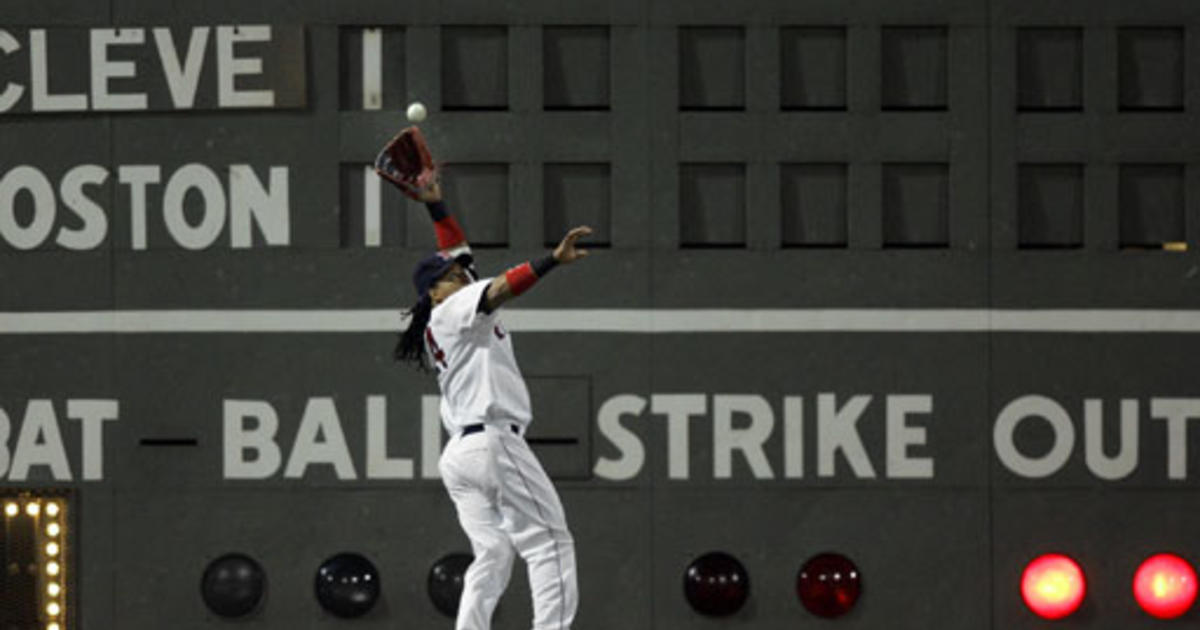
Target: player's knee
<point>493,557</point>
<point>549,548</point>
<point>562,536</point>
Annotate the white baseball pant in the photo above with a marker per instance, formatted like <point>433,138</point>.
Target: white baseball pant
<point>506,503</point>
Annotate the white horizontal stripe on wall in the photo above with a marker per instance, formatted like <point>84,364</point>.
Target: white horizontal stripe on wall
<point>639,321</point>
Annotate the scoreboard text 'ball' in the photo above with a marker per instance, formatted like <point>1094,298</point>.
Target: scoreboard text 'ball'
<point>1165,586</point>
<point>347,585</point>
<point>232,585</point>
<point>716,584</point>
<point>828,585</point>
<point>446,582</point>
<point>1053,586</point>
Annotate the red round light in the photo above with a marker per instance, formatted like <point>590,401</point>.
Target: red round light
<point>829,585</point>
<point>1053,586</point>
<point>1165,586</point>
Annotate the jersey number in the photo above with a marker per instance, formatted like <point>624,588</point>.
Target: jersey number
<point>439,357</point>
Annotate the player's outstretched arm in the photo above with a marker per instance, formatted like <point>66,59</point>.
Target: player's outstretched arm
<point>451,239</point>
<point>519,279</point>
<point>407,163</point>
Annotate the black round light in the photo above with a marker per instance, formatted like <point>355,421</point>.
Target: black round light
<point>347,585</point>
<point>829,585</point>
<point>446,582</point>
<point>232,585</point>
<point>716,584</point>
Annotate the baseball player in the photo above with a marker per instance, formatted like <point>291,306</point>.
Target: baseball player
<point>506,503</point>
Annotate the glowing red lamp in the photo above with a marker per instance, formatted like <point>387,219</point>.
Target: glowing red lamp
<point>1165,586</point>
<point>829,585</point>
<point>1053,586</point>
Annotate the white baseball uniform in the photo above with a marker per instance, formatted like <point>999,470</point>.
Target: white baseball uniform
<point>506,503</point>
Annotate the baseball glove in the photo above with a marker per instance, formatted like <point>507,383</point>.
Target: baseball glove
<point>406,162</point>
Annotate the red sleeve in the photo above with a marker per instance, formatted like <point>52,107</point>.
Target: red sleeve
<point>449,233</point>
<point>520,278</point>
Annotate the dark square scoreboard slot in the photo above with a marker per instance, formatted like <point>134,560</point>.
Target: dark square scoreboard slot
<point>914,68</point>
<point>1050,206</point>
<point>371,210</point>
<point>812,68</point>
<point>475,67</point>
<point>712,205</point>
<point>916,205</point>
<point>712,68</point>
<point>1151,205</point>
<point>1050,69</point>
<point>575,67</point>
<point>813,202</point>
<point>371,57</point>
<point>577,194</point>
<point>478,195</point>
<point>1151,68</point>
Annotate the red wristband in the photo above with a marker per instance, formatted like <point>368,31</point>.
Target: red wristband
<point>520,278</point>
<point>449,233</point>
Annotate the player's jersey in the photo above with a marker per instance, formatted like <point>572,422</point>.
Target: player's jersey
<point>476,368</point>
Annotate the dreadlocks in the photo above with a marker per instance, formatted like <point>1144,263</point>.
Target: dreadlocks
<point>410,346</point>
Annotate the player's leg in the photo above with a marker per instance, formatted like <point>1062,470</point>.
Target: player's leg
<point>472,487</point>
<point>488,575</point>
<point>537,525</point>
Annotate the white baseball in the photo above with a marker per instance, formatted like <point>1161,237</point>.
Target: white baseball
<point>416,112</point>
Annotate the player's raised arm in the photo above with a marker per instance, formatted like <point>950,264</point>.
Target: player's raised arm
<point>451,239</point>
<point>519,279</point>
<point>406,162</point>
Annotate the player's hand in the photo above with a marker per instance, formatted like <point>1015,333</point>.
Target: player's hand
<point>431,193</point>
<point>566,251</point>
